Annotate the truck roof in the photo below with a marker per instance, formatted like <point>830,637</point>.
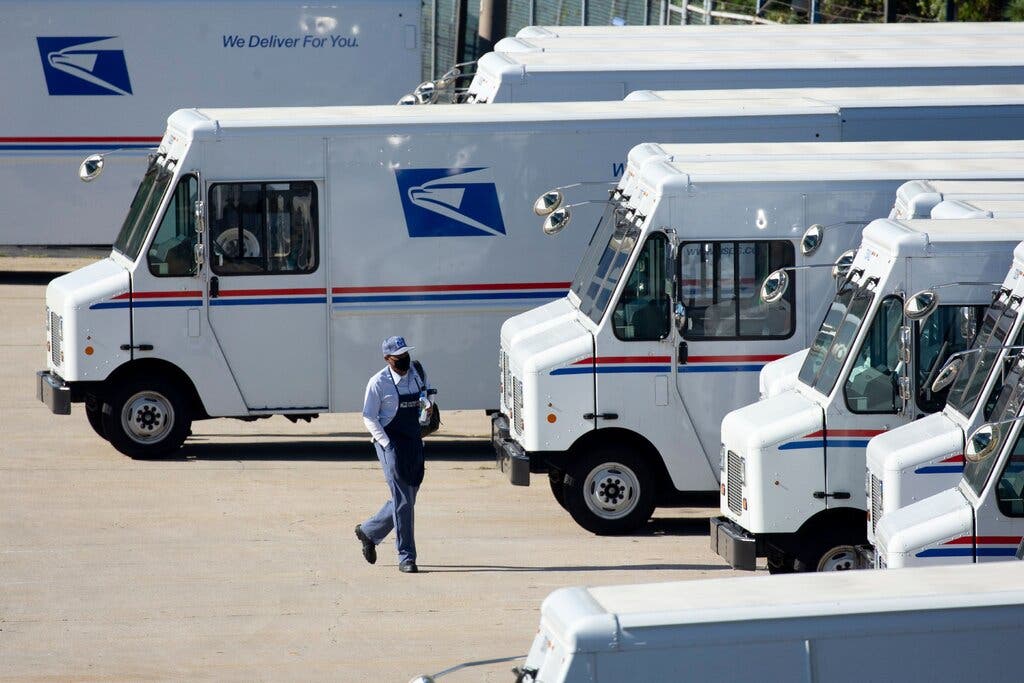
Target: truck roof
<point>899,236</point>
<point>797,595</point>
<point>913,95</point>
<point>212,119</point>
<point>978,208</point>
<point>817,150</point>
<point>719,41</point>
<point>966,27</point>
<point>517,64</point>
<point>662,176</point>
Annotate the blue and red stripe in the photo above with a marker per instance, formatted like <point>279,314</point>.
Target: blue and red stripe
<point>975,546</point>
<point>732,363</point>
<point>75,143</point>
<point>344,297</point>
<point>442,296</point>
<point>951,465</point>
<point>833,438</point>
<point>603,365</point>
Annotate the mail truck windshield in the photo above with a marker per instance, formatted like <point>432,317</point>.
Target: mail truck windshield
<point>601,268</point>
<point>142,210</point>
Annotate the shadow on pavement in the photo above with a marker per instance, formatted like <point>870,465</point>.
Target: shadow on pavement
<point>464,568</point>
<point>27,277</point>
<point>324,450</point>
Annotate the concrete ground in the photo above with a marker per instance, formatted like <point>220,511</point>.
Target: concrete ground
<point>237,560</point>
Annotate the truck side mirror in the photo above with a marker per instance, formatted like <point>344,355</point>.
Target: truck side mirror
<point>921,305</point>
<point>982,443</point>
<point>812,239</point>
<point>548,202</point>
<point>841,268</point>
<point>947,374</point>
<point>91,168</point>
<point>556,221</point>
<point>774,286</point>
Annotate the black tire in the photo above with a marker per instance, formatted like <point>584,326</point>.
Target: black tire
<point>609,491</point>
<point>94,414</point>
<point>147,417</point>
<point>831,551</point>
<point>556,478</point>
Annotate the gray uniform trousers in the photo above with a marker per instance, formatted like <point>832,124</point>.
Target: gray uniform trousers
<point>395,514</point>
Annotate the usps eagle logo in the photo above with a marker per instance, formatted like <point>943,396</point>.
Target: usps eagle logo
<point>84,65</point>
<point>450,202</point>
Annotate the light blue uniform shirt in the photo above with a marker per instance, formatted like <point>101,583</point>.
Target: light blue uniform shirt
<point>381,402</point>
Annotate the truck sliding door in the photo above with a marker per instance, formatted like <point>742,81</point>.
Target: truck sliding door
<point>267,291</point>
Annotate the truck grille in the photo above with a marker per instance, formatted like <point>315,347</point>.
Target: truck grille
<point>734,484</point>
<point>517,405</point>
<point>506,379</point>
<point>876,501</point>
<point>56,338</point>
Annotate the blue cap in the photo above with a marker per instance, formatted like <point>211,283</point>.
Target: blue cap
<point>395,346</point>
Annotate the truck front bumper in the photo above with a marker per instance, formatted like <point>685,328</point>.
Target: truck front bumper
<point>509,455</point>
<point>54,392</point>
<point>733,543</point>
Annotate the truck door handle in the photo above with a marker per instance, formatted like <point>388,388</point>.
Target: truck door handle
<point>601,416</point>
<point>214,287</point>
<point>838,495</point>
<point>684,353</point>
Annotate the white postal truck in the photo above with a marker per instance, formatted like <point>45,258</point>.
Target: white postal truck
<point>981,519</point>
<point>541,77</point>
<point>928,624</point>
<point>916,199</point>
<point>102,76</point>
<point>302,207</point>
<point>793,466</point>
<point>621,408</point>
<point>463,208</point>
<point>922,458</point>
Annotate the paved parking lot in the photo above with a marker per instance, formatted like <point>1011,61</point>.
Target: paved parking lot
<point>237,561</point>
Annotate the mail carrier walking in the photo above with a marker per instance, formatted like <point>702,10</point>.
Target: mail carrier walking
<point>392,413</point>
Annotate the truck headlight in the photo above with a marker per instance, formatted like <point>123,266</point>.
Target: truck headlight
<point>721,459</point>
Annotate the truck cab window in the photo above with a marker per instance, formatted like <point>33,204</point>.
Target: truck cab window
<point>642,313</point>
<point>263,228</point>
<point>871,386</point>
<point>948,330</point>
<point>720,284</point>
<point>172,252</point>
<point>1010,487</point>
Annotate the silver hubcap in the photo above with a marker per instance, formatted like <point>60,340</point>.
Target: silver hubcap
<point>611,490</point>
<point>147,417</point>
<point>839,559</point>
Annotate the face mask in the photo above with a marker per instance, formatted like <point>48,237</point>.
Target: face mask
<point>402,363</point>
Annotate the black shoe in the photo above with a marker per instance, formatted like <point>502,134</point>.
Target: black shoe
<point>408,567</point>
<point>369,549</point>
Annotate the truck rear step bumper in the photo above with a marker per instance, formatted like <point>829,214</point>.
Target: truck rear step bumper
<point>733,544</point>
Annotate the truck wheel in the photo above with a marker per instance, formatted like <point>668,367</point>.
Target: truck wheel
<point>557,480</point>
<point>146,417</point>
<point>839,558</point>
<point>94,413</point>
<point>609,492</point>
